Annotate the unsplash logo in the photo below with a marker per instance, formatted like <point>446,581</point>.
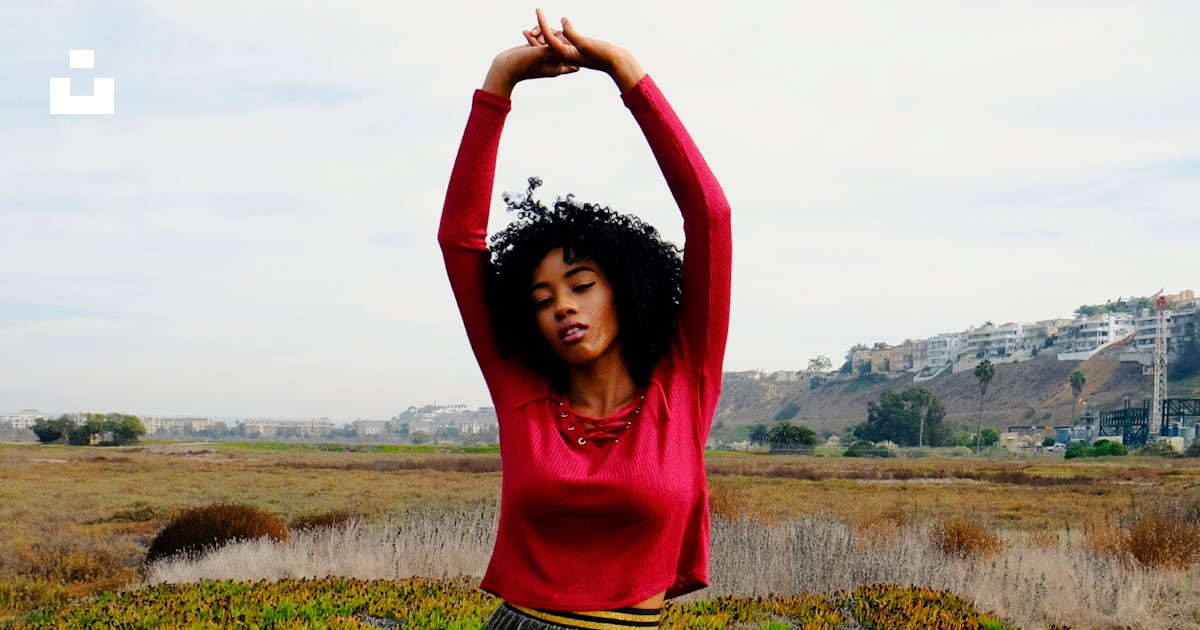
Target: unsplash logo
<point>104,90</point>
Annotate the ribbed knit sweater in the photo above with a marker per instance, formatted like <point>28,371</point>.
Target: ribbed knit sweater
<point>593,524</point>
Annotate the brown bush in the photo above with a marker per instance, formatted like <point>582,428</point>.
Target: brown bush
<point>965,538</point>
<point>203,528</point>
<point>331,518</point>
<point>1163,540</point>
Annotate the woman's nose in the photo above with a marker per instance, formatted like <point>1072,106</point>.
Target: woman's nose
<point>565,308</point>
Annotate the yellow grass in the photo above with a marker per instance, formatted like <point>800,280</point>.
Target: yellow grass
<point>78,520</point>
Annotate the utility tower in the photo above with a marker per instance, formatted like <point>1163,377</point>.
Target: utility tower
<point>1160,364</point>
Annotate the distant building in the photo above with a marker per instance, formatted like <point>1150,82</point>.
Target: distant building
<point>366,428</point>
<point>1180,328</point>
<point>745,375</point>
<point>784,376</point>
<point>1004,340</point>
<point>26,419</point>
<point>943,350</point>
<point>266,428</point>
<point>176,426</point>
<point>1094,333</point>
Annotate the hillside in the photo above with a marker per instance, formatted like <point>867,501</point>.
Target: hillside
<point>1041,384</point>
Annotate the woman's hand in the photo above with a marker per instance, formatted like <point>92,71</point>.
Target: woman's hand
<point>575,50</point>
<point>524,62</point>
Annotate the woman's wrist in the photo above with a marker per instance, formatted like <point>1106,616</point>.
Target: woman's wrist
<point>625,70</point>
<point>498,82</point>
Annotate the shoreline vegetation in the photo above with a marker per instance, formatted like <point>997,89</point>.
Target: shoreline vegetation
<point>996,541</point>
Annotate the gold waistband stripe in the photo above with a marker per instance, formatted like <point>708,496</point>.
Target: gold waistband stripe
<point>598,619</point>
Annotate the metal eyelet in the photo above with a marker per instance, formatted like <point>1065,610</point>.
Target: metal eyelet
<point>628,424</point>
<point>582,441</point>
<point>564,414</point>
<point>570,427</point>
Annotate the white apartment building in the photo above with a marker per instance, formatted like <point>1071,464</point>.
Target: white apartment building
<point>975,342</point>
<point>1035,335</point>
<point>370,427</point>
<point>176,426</point>
<point>289,428</point>
<point>1004,340</point>
<point>26,419</point>
<point>1094,333</point>
<point>943,349</point>
<point>1180,327</point>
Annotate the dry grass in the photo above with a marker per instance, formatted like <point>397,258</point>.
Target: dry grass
<point>965,538</point>
<point>79,521</point>
<point>1031,586</point>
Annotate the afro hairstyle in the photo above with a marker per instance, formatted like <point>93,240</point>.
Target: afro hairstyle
<point>646,274</point>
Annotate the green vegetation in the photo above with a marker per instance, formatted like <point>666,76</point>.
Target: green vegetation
<point>1133,305</point>
<point>1101,448</point>
<point>759,434</point>
<point>911,417</point>
<point>101,429</point>
<point>457,604</point>
<point>786,436</point>
<point>788,412</point>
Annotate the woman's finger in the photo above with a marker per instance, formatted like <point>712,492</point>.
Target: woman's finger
<point>554,42</point>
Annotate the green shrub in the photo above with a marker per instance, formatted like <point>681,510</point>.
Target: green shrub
<point>1076,450</point>
<point>1157,449</point>
<point>1193,450</point>
<point>200,529</point>
<point>1104,448</point>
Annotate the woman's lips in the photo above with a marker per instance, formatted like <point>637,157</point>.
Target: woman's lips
<point>571,332</point>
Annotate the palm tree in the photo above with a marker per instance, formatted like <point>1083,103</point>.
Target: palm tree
<point>759,434</point>
<point>787,435</point>
<point>984,372</point>
<point>924,400</point>
<point>1078,380</point>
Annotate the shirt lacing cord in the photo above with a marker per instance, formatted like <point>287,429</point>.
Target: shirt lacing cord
<point>603,431</point>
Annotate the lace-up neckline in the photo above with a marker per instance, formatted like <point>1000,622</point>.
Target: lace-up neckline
<point>583,430</point>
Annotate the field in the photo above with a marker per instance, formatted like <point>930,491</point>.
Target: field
<point>1033,540</point>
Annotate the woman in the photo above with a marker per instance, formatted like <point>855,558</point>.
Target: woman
<point>602,352</point>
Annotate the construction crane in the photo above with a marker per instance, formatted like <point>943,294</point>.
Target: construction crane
<point>1159,364</point>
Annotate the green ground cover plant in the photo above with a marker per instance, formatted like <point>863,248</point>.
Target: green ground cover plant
<point>455,604</point>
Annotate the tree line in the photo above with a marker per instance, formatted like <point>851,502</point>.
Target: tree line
<point>91,428</point>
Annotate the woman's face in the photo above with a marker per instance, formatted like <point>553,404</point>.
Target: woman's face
<point>575,309</point>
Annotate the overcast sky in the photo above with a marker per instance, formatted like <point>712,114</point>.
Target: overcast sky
<point>252,233</point>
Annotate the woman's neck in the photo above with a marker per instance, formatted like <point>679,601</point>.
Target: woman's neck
<point>600,388</point>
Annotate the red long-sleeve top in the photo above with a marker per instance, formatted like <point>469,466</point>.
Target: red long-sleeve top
<point>586,522</point>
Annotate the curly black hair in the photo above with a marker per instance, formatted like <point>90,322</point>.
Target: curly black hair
<point>646,274</point>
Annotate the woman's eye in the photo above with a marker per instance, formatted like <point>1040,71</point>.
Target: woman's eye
<point>542,303</point>
<point>580,288</point>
